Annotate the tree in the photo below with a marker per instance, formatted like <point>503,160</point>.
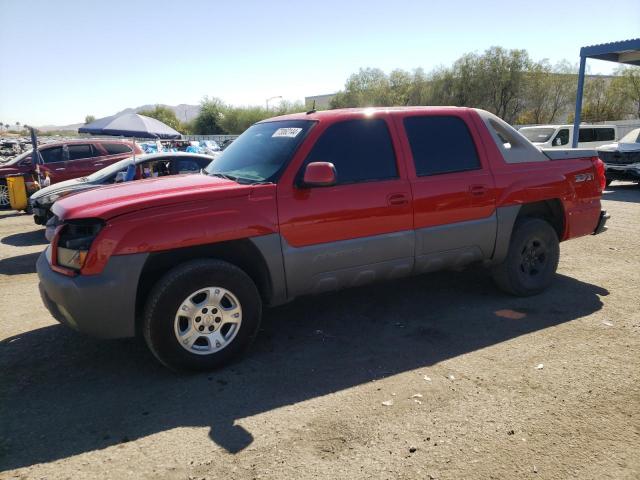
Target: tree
<point>163,114</point>
<point>548,92</point>
<point>369,87</point>
<point>628,82</point>
<point>89,119</point>
<point>603,100</point>
<point>208,121</point>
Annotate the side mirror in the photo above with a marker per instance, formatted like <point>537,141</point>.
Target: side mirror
<point>319,174</point>
<point>557,142</point>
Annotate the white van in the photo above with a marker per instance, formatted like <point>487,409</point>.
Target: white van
<point>561,136</point>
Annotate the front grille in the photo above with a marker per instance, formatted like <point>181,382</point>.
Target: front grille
<point>619,158</point>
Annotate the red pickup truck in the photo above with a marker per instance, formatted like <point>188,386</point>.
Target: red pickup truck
<point>308,203</point>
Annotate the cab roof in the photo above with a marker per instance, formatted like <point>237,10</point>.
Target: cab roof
<point>341,113</point>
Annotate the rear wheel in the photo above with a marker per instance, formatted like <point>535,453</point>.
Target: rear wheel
<point>532,259</point>
<point>202,314</point>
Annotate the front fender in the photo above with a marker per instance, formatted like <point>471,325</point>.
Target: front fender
<point>184,225</point>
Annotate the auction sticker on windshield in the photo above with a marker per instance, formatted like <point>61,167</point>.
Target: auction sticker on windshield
<point>286,132</point>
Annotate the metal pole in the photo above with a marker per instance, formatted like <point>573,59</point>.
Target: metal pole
<point>576,118</point>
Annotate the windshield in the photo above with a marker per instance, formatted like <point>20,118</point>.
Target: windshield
<point>537,135</point>
<point>261,153</point>
<point>14,160</point>
<point>110,170</point>
<point>632,137</point>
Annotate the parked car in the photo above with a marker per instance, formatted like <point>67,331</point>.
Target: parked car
<point>561,136</point>
<point>64,161</point>
<point>307,203</point>
<point>148,165</point>
<point>622,159</point>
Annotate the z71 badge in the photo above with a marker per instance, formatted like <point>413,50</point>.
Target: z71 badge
<point>583,177</point>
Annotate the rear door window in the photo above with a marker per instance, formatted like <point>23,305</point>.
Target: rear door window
<point>80,152</point>
<point>116,148</point>
<point>605,134</point>
<point>440,144</point>
<point>586,135</point>
<point>360,150</point>
<point>51,155</point>
<point>186,165</point>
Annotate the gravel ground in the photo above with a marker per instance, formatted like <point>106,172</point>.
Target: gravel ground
<point>439,376</point>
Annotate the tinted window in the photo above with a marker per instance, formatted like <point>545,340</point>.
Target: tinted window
<point>78,152</point>
<point>361,150</point>
<point>187,165</point>
<point>586,135</point>
<point>440,145</point>
<point>605,134</point>
<point>116,148</point>
<point>562,138</point>
<point>51,155</point>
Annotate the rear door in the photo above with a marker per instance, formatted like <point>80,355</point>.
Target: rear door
<point>111,152</point>
<point>82,160</point>
<point>453,190</point>
<point>354,232</point>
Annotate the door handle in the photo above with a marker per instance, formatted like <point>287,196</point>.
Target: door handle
<point>98,164</point>
<point>478,190</point>
<point>397,199</point>
<point>59,169</point>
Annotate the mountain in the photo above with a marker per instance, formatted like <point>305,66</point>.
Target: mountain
<point>184,112</point>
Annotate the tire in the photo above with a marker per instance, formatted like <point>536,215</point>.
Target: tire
<point>175,309</point>
<point>532,259</point>
<point>4,196</point>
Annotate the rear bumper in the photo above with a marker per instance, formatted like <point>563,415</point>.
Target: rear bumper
<point>102,306</point>
<point>601,227</point>
<point>622,172</point>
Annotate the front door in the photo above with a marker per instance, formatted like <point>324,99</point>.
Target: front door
<point>358,230</point>
<point>53,165</point>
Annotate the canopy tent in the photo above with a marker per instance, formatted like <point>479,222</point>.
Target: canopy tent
<point>626,51</point>
<point>130,125</point>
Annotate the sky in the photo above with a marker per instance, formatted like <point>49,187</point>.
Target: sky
<point>62,60</point>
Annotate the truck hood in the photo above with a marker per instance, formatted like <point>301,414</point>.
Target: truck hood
<point>57,188</point>
<point>113,200</point>
<point>620,147</point>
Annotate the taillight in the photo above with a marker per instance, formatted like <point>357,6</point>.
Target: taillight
<point>601,177</point>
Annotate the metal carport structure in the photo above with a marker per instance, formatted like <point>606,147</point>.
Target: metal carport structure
<point>626,51</point>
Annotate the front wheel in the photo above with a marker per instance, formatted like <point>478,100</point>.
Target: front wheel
<point>201,314</point>
<point>532,259</point>
<point>4,196</point>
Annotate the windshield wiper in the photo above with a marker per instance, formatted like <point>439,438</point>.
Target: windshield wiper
<point>225,176</point>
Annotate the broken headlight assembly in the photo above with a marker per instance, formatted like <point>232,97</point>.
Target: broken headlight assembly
<point>74,241</point>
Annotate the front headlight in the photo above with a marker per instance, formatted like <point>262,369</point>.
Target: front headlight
<point>52,197</point>
<point>74,242</point>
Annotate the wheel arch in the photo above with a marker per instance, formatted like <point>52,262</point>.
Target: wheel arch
<point>244,254</point>
<point>551,211</point>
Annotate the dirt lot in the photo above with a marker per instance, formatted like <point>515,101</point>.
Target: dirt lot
<point>464,392</point>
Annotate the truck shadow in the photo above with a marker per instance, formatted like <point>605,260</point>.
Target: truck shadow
<point>63,394</point>
<point>20,264</point>
<point>26,239</point>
